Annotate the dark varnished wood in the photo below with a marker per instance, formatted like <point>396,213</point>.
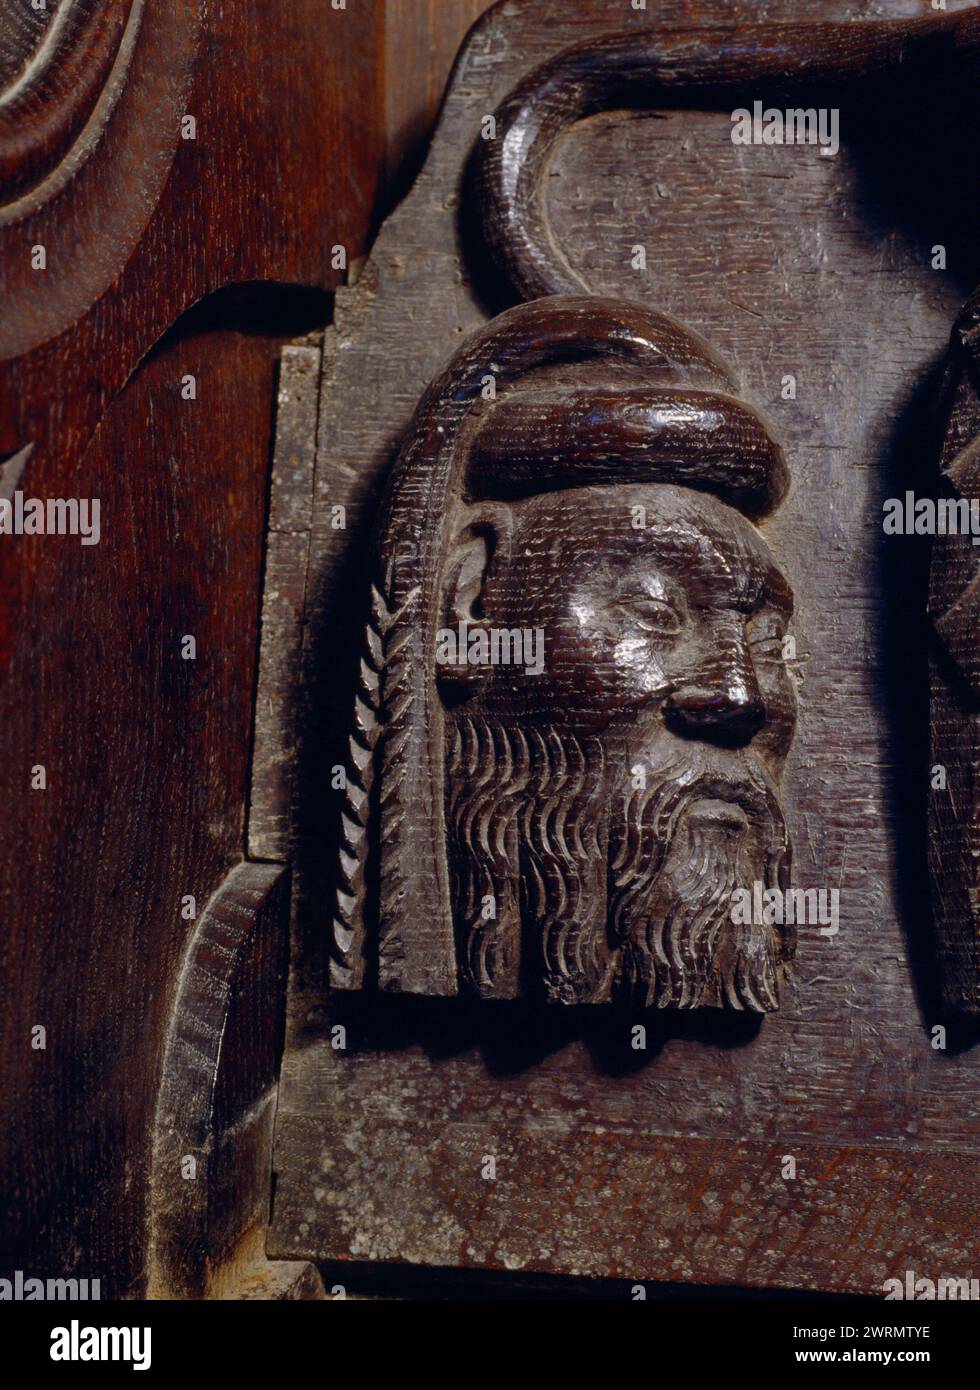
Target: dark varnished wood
<point>421,41</point>
<point>592,1176</point>
<point>676,67</point>
<point>57,64</point>
<point>786,265</point>
<point>139,223</point>
<point>146,754</point>
<point>505,813</point>
<point>147,765</point>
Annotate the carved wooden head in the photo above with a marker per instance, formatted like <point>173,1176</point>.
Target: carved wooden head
<point>573,709</point>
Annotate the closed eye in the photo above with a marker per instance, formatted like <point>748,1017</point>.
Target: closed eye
<point>653,615</point>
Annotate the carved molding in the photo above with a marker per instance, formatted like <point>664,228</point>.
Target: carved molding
<point>66,67</point>
<point>665,67</point>
<point>212,1140</point>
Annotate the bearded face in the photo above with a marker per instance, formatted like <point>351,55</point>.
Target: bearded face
<point>601,814</point>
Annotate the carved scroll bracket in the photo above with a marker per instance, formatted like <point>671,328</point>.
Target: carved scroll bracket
<point>212,1143</point>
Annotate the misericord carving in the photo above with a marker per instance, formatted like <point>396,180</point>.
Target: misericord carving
<point>572,709</point>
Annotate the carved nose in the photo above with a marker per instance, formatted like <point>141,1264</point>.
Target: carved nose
<point>728,709</point>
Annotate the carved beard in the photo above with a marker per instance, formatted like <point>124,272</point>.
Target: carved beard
<point>568,878</point>
<point>686,841</point>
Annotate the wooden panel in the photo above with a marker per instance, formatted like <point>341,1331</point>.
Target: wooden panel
<point>149,222</point>
<point>146,760</point>
<point>146,755</point>
<point>422,38</point>
<point>626,1206</point>
<point>789,264</point>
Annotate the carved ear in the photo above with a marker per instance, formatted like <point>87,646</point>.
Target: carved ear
<point>477,548</point>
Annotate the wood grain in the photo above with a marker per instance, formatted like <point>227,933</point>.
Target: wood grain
<point>422,38</point>
<point>146,754</point>
<point>149,222</point>
<point>582,1204</point>
<point>60,65</point>
<point>218,1085</point>
<point>283,593</point>
<point>146,757</point>
<point>791,266</point>
<point>954,689</point>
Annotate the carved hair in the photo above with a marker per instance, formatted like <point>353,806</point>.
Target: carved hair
<point>525,840</point>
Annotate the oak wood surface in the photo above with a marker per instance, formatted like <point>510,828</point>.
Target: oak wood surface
<point>788,264</point>
<point>147,755</point>
<point>422,39</point>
